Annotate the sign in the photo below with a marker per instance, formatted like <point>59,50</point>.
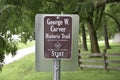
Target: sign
<point>46,65</point>
<point>57,37</point>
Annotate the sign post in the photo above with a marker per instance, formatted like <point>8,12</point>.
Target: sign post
<point>56,42</point>
<point>56,69</point>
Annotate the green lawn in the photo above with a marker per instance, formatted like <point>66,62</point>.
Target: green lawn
<point>24,69</point>
<point>23,45</point>
<point>115,47</point>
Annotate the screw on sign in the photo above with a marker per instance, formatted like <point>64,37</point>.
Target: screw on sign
<point>57,37</point>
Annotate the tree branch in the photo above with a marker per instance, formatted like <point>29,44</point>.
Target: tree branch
<point>103,2</point>
<point>100,17</point>
<point>114,19</point>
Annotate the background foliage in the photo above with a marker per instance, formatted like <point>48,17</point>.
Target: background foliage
<point>17,18</point>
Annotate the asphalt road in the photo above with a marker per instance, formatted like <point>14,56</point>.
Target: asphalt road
<point>20,54</point>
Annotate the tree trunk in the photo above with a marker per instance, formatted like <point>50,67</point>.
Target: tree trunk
<point>84,42</point>
<point>105,34</point>
<point>93,37</point>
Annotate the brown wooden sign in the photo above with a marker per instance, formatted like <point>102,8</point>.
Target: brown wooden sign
<point>57,37</point>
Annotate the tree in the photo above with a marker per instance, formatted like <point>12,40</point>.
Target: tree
<point>15,19</point>
<point>93,18</point>
<point>84,40</point>
<point>105,34</point>
<point>6,41</point>
<point>112,13</point>
<point>94,12</point>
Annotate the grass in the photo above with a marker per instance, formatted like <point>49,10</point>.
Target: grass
<point>115,47</point>
<point>24,69</point>
<point>23,45</point>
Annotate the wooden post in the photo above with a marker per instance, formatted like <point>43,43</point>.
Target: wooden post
<point>105,60</point>
<point>79,60</point>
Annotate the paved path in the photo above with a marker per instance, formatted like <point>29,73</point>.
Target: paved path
<point>20,54</point>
